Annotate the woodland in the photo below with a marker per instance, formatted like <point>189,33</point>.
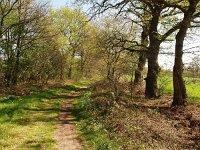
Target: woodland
<point>101,67</point>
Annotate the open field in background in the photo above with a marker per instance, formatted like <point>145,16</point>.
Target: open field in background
<point>192,85</point>
<point>28,122</point>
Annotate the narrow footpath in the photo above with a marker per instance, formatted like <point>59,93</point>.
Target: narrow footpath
<point>66,135</point>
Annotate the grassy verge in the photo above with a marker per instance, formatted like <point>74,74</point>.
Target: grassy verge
<point>192,86</point>
<point>91,131</point>
<point>28,122</point>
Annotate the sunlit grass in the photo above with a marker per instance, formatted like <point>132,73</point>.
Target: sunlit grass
<point>29,122</point>
<point>192,87</point>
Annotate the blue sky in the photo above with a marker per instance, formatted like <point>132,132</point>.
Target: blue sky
<point>59,3</point>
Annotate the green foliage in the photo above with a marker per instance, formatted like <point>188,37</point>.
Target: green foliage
<point>29,47</point>
<point>77,41</point>
<point>163,83</point>
<point>38,44</point>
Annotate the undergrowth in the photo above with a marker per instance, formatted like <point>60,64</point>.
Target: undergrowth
<point>93,133</point>
<point>108,123</point>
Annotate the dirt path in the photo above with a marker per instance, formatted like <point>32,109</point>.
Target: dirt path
<point>66,135</point>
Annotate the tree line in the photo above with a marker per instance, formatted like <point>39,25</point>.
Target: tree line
<point>38,43</point>
<point>159,21</point>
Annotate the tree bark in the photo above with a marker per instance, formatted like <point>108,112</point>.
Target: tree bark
<point>71,64</point>
<point>139,73</point>
<point>151,90</point>
<point>20,29</point>
<point>10,59</point>
<point>17,63</point>
<point>70,72</point>
<point>180,94</point>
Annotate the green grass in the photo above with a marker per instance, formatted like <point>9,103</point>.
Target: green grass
<point>29,122</point>
<point>192,86</point>
<point>90,130</point>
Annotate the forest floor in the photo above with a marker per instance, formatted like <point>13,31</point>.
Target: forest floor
<point>144,124</point>
<point>185,121</point>
<point>138,123</point>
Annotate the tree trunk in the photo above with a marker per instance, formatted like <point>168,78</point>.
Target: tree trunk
<point>71,64</point>
<point>82,64</point>
<point>17,63</point>
<point>180,93</point>
<point>70,72</point>
<point>10,59</point>
<point>18,47</point>
<point>139,73</point>
<point>151,90</point>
